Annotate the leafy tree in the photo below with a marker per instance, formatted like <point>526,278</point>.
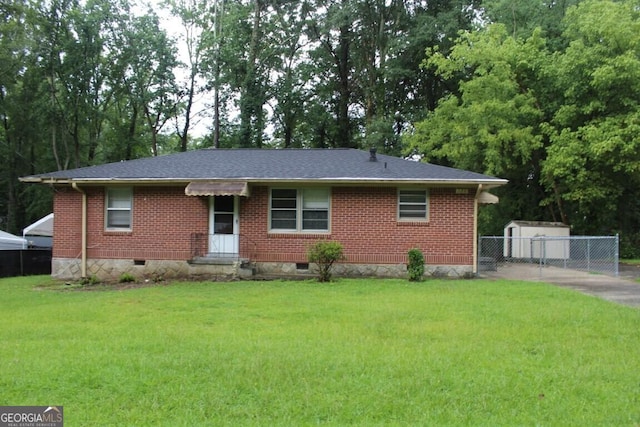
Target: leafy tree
<point>144,60</point>
<point>70,80</point>
<point>593,161</point>
<point>367,56</point>
<point>561,125</point>
<point>331,30</point>
<point>242,60</point>
<point>401,88</point>
<point>523,17</point>
<point>493,125</point>
<point>290,93</point>
<point>196,22</point>
<point>12,53</point>
<point>252,90</point>
<point>50,23</point>
<point>82,95</point>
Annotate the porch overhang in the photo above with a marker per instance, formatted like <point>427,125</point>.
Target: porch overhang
<point>487,198</point>
<point>217,188</point>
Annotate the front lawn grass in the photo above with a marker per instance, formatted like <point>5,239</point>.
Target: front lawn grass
<point>352,352</point>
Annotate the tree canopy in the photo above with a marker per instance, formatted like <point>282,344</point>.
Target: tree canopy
<point>558,118</point>
<point>544,94</point>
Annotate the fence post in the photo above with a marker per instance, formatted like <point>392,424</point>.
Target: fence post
<point>478,255</point>
<point>543,253</point>
<point>616,258</point>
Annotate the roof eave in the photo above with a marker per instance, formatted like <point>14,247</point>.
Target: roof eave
<point>486,183</point>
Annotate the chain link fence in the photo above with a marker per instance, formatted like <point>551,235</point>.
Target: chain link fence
<point>596,254</point>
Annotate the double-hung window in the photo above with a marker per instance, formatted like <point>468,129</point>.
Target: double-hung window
<point>413,205</point>
<point>118,208</point>
<point>299,210</point>
<point>284,209</point>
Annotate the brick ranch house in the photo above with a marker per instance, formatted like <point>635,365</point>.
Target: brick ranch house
<point>238,212</point>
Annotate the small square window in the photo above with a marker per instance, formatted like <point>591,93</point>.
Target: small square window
<point>413,205</point>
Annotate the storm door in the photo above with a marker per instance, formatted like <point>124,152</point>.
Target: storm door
<point>223,226</point>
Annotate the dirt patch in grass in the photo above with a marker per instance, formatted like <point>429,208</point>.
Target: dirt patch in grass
<point>120,286</point>
<point>101,286</point>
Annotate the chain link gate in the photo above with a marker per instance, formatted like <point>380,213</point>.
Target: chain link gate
<point>594,254</point>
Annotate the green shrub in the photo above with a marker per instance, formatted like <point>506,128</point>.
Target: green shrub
<point>630,246</point>
<point>415,268</point>
<point>126,278</point>
<point>325,253</point>
<point>91,280</point>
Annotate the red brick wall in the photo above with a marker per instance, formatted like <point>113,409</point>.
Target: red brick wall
<point>363,219</point>
<point>163,222</point>
<point>67,226</point>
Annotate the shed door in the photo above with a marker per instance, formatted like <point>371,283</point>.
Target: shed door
<point>509,242</point>
<point>223,226</point>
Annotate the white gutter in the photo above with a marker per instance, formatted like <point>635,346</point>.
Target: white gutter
<point>83,262</point>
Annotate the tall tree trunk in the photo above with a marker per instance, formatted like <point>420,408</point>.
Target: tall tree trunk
<point>219,11</point>
<point>250,104</point>
<point>563,216</point>
<point>184,135</point>
<point>131,132</point>
<point>216,113</point>
<point>76,141</point>
<point>344,90</point>
<point>288,134</point>
<point>10,165</point>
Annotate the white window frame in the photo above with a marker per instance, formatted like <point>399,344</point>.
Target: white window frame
<point>126,205</point>
<point>412,192</point>
<point>302,206</point>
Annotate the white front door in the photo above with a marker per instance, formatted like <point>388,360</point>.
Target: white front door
<point>223,226</point>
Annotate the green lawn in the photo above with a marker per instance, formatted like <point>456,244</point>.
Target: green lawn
<point>353,352</point>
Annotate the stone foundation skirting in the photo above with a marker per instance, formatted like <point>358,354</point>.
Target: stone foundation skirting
<point>114,269</point>
<point>361,270</point>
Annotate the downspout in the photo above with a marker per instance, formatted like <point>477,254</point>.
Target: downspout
<point>475,230</point>
<point>83,263</point>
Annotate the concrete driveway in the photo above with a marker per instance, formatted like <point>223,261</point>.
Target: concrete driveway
<point>622,289</point>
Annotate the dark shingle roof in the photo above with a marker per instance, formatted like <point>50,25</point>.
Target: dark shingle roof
<point>348,165</point>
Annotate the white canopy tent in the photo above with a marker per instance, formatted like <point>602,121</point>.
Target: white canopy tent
<point>40,233</point>
<point>8,241</point>
<point>42,227</point>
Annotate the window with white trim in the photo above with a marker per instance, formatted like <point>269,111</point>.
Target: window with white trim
<point>299,210</point>
<point>119,202</point>
<point>413,205</point>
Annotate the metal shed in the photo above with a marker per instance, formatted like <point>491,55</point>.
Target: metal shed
<point>535,239</point>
